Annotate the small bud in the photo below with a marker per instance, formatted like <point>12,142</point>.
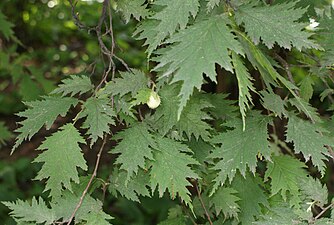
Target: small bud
<point>154,100</point>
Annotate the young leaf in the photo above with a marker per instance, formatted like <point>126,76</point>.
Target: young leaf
<point>286,173</point>
<point>251,197</point>
<point>74,85</point>
<point>99,117</point>
<point>62,151</point>
<point>129,82</point>
<point>131,189</point>
<point>224,200</point>
<point>245,86</point>
<point>275,24</point>
<point>42,112</point>
<point>195,51</point>
<point>170,169</point>
<point>135,8</point>
<point>239,149</point>
<point>134,148</point>
<point>310,140</point>
<point>36,211</point>
<point>306,88</point>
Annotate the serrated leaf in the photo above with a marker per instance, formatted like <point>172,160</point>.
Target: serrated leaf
<point>286,173</point>
<point>273,103</point>
<point>174,15</point>
<point>225,201</point>
<point>170,169</point>
<point>306,88</point>
<point>245,85</point>
<point>326,39</point>
<point>134,148</point>
<point>62,151</point>
<point>74,85</point>
<point>131,189</point>
<point>306,108</point>
<point>195,51</point>
<point>221,106</point>
<point>239,149</point>
<point>89,211</point>
<point>192,118</point>
<point>165,116</point>
<point>315,191</point>
<point>94,218</point>
<point>129,82</point>
<point>275,24</point>
<point>99,116</point>
<point>251,197</point>
<point>310,140</point>
<point>6,27</point>
<point>142,97</point>
<point>41,112</point>
<point>278,215</point>
<point>211,4</point>
<point>135,8</point>
<point>5,134</point>
<point>36,211</point>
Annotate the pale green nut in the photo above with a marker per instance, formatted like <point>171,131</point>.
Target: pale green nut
<point>154,100</point>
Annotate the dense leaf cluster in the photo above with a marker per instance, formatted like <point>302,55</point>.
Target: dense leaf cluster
<point>223,164</point>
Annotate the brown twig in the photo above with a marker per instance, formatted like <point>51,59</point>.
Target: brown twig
<point>89,182</point>
<point>286,66</point>
<point>202,203</point>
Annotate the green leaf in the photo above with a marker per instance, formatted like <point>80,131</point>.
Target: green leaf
<point>251,197</point>
<point>273,103</point>
<point>170,169</point>
<point>195,51</point>
<point>94,218</point>
<point>326,39</point>
<point>310,140</point>
<point>211,4</point>
<point>6,27</point>
<point>135,8</point>
<point>222,107</point>
<point>225,201</point>
<point>315,191</point>
<point>286,173</point>
<point>165,116</point>
<point>36,211</point>
<point>62,151</point>
<point>41,112</point>
<point>239,149</point>
<point>278,215</point>
<point>306,88</point>
<point>306,108</point>
<point>129,82</point>
<point>192,118</point>
<point>99,115</point>
<point>134,148</point>
<point>130,189</point>
<point>142,97</point>
<point>245,86</point>
<point>74,85</point>
<point>174,15</point>
<point>5,134</point>
<point>275,24</point>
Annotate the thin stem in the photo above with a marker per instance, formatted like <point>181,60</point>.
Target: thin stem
<point>84,193</point>
<point>323,211</point>
<point>203,205</point>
